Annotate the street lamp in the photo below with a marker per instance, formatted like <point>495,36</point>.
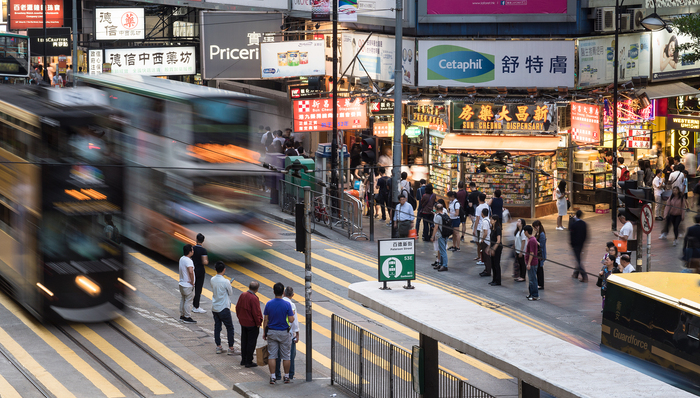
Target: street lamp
<point>654,22</point>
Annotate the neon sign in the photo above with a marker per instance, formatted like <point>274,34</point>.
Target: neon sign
<point>629,111</point>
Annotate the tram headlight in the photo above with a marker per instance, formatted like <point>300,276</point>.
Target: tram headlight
<point>88,286</point>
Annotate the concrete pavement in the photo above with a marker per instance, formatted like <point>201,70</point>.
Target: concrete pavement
<point>317,388</point>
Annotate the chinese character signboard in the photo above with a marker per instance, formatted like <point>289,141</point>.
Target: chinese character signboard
<point>119,24</point>
<point>230,43</point>
<point>57,41</point>
<point>585,123</point>
<point>666,63</point>
<point>152,61</point>
<point>317,115</point>
<point>28,14</point>
<point>503,117</point>
<point>397,260</point>
<point>639,139</point>
<point>434,115</point>
<point>376,57</point>
<point>293,58</point>
<point>299,92</point>
<point>509,63</point>
<point>595,58</point>
<point>95,62</point>
<point>382,107</point>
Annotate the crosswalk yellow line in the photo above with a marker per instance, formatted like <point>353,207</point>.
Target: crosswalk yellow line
<point>28,362</point>
<point>6,389</point>
<point>122,360</point>
<point>99,381</point>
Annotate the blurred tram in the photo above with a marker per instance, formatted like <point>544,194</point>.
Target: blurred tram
<point>61,181</point>
<point>193,158</point>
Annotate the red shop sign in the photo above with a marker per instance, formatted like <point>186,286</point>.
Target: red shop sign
<point>25,14</point>
<point>585,123</point>
<point>317,114</point>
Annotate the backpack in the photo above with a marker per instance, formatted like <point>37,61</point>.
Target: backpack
<point>446,230</point>
<point>267,139</point>
<point>625,175</point>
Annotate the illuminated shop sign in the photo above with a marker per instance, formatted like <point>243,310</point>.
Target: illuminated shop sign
<point>682,122</point>
<point>629,111</point>
<point>508,117</point>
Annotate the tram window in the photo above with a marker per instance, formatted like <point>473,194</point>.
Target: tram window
<point>5,218</point>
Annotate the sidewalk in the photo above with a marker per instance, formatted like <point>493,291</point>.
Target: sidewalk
<point>299,389</point>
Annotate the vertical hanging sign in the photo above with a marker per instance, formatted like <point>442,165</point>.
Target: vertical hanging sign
<point>585,123</point>
<point>321,10</point>
<point>347,10</point>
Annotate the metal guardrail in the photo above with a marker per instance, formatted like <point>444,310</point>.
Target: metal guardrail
<point>345,213</point>
<point>365,365</point>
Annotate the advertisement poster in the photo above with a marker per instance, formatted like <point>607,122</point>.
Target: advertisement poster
<point>376,58</point>
<point>585,123</point>
<point>230,43</point>
<point>57,41</point>
<point>95,64</point>
<point>28,14</point>
<point>293,58</point>
<point>119,24</point>
<point>317,115</point>
<point>320,9</point>
<point>666,63</point>
<point>152,61</point>
<point>275,4</point>
<point>347,10</point>
<point>596,57</point>
<point>491,63</point>
<point>441,7</point>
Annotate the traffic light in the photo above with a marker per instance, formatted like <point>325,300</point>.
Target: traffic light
<point>369,150</point>
<point>635,199</point>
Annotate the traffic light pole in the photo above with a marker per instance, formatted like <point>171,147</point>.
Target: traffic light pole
<point>398,90</point>
<point>640,246</point>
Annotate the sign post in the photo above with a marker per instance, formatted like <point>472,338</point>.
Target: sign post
<point>397,261</point>
<point>647,221</point>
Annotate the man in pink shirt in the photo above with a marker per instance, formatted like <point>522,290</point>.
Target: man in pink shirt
<point>532,261</point>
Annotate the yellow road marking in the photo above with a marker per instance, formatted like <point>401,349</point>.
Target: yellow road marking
<point>122,360</point>
<point>381,319</point>
<point>27,361</point>
<point>7,390</point>
<point>169,355</point>
<point>107,388</point>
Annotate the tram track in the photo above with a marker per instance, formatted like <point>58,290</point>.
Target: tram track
<point>40,388</point>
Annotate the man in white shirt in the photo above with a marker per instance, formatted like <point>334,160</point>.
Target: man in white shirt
<point>625,264</point>
<point>677,178</point>
<point>484,239</point>
<point>186,284</point>
<point>403,217</point>
<point>477,223</point>
<point>627,228</point>
<point>453,211</point>
<point>221,307</point>
<point>294,331</point>
<point>659,186</point>
<point>437,235</point>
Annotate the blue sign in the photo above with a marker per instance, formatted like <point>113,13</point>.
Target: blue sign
<point>460,64</point>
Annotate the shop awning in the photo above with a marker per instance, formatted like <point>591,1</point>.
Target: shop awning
<point>669,90</point>
<point>490,144</point>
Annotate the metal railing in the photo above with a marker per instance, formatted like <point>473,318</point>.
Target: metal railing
<point>365,365</point>
<point>345,213</point>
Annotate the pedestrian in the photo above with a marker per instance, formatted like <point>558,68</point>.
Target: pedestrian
<point>277,316</point>
<point>267,138</point>
<point>658,184</point>
<point>289,149</point>
<point>658,151</point>
<point>426,206</point>
<point>668,169</point>
<point>294,332</point>
<point>200,259</point>
<point>541,237</point>
<point>495,249</point>
<point>250,318</point>
<point>485,242</point>
<point>403,217</point>
<point>677,178</point>
<point>477,225</point>
<point>625,266</point>
<point>611,250</point>
<point>69,76</point>
<point>578,234</point>
<point>674,214</point>
<point>186,285</point>
<point>473,199</point>
<point>438,236</point>
<point>453,209</point>
<point>531,261</point>
<point>562,206</point>
<point>608,266</point>
<point>221,292</point>
<point>383,192</point>
<point>520,245</point>
<point>278,138</point>
<point>419,214</point>
<point>57,80</point>
<point>436,247</point>
<point>496,204</point>
<point>627,229</point>
<point>462,196</point>
<point>648,174</point>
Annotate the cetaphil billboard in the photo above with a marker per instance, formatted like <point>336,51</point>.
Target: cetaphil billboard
<point>496,63</point>
<point>376,57</point>
<point>230,42</point>
<point>596,58</point>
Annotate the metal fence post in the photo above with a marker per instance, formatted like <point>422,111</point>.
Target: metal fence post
<point>332,348</point>
<point>360,367</point>
<point>391,370</point>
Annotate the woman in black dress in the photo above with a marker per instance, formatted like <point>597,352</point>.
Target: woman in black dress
<point>495,249</point>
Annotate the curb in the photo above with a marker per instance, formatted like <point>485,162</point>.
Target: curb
<point>239,388</point>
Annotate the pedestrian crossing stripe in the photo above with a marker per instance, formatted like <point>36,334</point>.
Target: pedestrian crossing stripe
<point>7,390</point>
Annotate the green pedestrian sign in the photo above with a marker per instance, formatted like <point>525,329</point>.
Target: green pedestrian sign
<point>397,261</point>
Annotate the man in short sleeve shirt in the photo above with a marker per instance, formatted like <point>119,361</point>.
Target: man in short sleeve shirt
<point>276,325</point>
<point>186,285</point>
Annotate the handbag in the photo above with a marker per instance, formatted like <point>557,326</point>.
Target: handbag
<point>568,204</point>
<point>262,355</point>
<point>599,282</point>
<point>621,245</point>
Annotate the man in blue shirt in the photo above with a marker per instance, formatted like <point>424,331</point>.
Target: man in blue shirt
<point>221,307</point>
<point>403,217</point>
<point>278,317</point>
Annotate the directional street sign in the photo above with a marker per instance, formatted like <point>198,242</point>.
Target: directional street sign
<point>647,219</point>
<point>397,260</point>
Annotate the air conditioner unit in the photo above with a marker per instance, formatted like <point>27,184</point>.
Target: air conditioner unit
<point>638,15</point>
<point>625,22</point>
<point>605,19</point>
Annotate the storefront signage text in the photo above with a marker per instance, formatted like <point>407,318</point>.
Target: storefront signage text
<point>57,41</point>
<point>317,115</point>
<point>119,24</point>
<point>382,107</point>
<point>639,139</point>
<point>153,61</point>
<point>432,114</point>
<point>585,123</point>
<point>95,64</point>
<point>511,117</point>
<point>298,92</point>
<point>29,14</point>
<point>682,122</point>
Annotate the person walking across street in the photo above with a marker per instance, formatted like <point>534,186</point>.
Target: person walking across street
<point>531,261</point>
<point>495,249</point>
<point>250,318</point>
<point>200,259</point>
<point>658,184</point>
<point>674,213</point>
<point>541,237</point>
<point>384,193</point>
<point>438,236</point>
<point>562,206</point>
<point>186,285</point>
<point>278,315</point>
<point>578,235</point>
<point>427,202</point>
<point>221,292</point>
<point>453,209</point>
<point>294,331</point>
<point>485,242</point>
<point>403,217</point>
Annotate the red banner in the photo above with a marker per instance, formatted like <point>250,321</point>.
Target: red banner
<point>25,14</point>
<point>317,114</point>
<point>585,123</point>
